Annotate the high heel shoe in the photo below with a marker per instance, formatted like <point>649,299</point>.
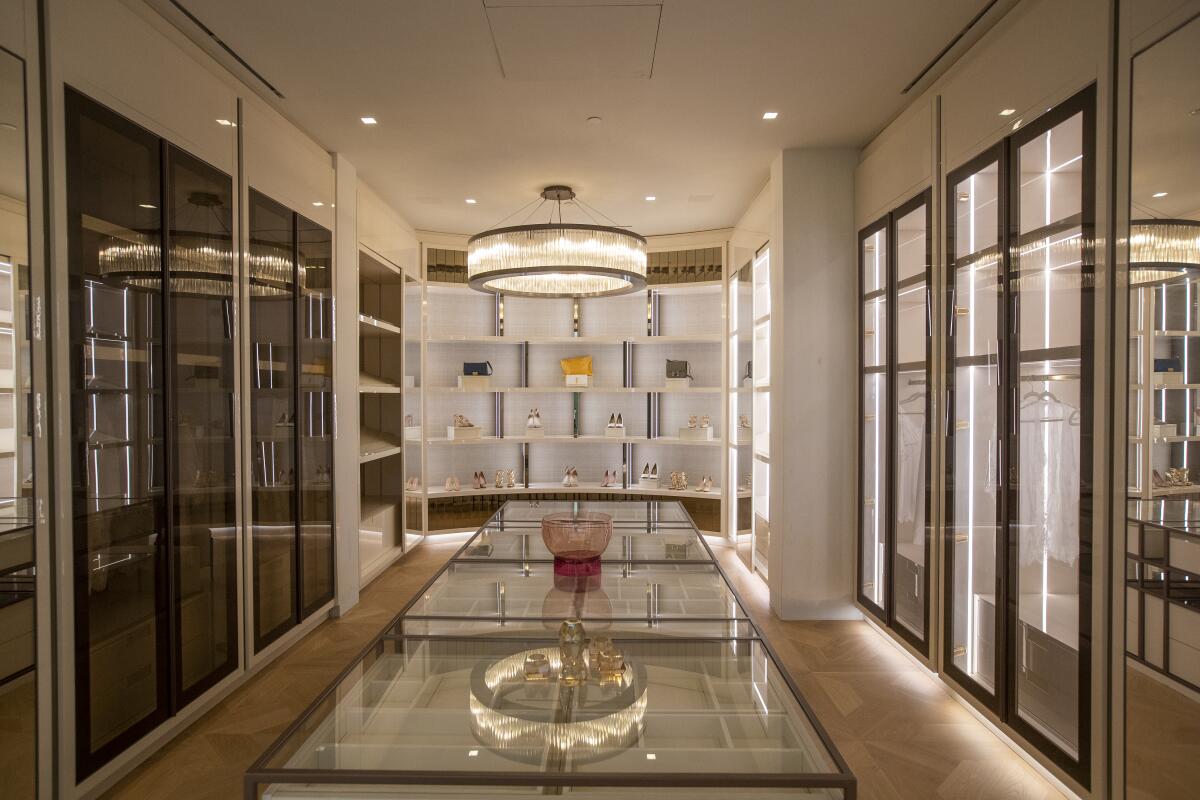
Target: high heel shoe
<point>499,479</point>
<point>449,483</point>
<point>654,473</point>
<point>612,420</point>
<point>646,472</point>
<point>537,418</point>
<point>512,473</point>
<point>605,481</point>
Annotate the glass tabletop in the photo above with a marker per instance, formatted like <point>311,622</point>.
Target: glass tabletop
<point>471,692</point>
<point>709,715</point>
<point>636,543</point>
<point>631,513</point>
<point>1175,514</point>
<point>618,591</point>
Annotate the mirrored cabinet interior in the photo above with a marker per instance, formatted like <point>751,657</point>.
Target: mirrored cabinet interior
<point>291,416</point>
<point>152,450</point>
<point>18,554</point>
<point>758,375</point>
<point>741,409</point>
<point>1019,461</point>
<point>895,262</point>
<point>384,294</point>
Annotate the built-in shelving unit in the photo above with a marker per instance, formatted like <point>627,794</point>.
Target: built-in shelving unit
<point>1164,395</point>
<point>381,439</point>
<point>629,339</point>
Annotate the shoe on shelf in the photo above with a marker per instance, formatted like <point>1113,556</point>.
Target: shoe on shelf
<point>449,483</point>
<point>743,421</point>
<point>462,422</point>
<point>512,473</point>
<point>499,479</point>
<point>654,473</point>
<point>566,481</point>
<point>574,477</point>
<point>620,420</point>
<point>705,421</point>
<point>612,420</point>
<point>646,472</point>
<point>692,420</point>
<point>605,480</point>
<point>537,418</point>
<point>529,420</point>
<point>705,484</point>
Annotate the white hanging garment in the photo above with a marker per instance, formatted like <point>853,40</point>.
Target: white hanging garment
<point>1048,518</point>
<point>910,500</point>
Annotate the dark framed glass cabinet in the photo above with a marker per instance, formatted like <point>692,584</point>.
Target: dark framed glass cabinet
<point>895,262</point>
<point>291,418</point>
<point>1021,364</point>
<point>153,456</point>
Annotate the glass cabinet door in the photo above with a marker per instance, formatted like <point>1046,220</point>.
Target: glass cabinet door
<point>913,325</point>
<point>273,516</point>
<point>973,453</point>
<point>873,495</point>
<point>201,373</point>
<point>315,422</point>
<point>1050,281</point>
<point>114,213</point>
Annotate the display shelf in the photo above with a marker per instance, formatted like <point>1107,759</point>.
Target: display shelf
<point>437,441</point>
<point>373,505</point>
<point>370,326</point>
<point>373,385</point>
<point>375,444</point>
<point>576,390</point>
<point>583,488</point>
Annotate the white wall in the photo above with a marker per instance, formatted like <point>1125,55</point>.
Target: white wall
<point>814,369</point>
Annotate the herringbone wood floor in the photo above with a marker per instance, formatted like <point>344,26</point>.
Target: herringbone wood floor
<point>901,733</point>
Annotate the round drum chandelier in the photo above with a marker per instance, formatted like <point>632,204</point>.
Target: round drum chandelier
<point>1162,250</point>
<point>557,259</point>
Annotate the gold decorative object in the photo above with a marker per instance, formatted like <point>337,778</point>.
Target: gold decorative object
<point>571,638</point>
<point>537,667</point>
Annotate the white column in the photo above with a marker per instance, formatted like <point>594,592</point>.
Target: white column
<point>814,384</point>
<point>345,383</point>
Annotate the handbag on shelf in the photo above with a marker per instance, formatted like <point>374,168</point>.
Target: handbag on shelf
<point>579,365</point>
<point>477,368</point>
<point>678,369</point>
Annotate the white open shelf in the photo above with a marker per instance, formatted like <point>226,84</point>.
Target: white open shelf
<point>370,326</point>
<point>373,385</point>
<point>373,445</point>
<point>567,438</point>
<point>575,389</point>
<point>583,488</point>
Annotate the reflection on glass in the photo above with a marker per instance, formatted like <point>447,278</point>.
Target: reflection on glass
<point>761,378</point>
<point>272,417</point>
<point>315,261</point>
<point>18,573</point>
<point>974,448</point>
<point>117,467</point>
<point>1162,633</point>
<point>743,411</point>
<point>1050,275</point>
<point>911,449</point>
<point>200,221</point>
<point>873,258</point>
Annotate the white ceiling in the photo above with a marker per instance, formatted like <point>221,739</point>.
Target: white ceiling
<point>489,98</point>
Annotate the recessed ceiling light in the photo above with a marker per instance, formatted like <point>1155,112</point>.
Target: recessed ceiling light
<point>650,756</point>
<point>147,205</point>
<point>770,114</point>
<point>1017,124</point>
<point>224,122</point>
<point>318,203</point>
<point>472,753</point>
<point>650,198</point>
<point>369,121</point>
<point>1007,112</point>
<point>1195,112</point>
<point>471,201</point>
<point>1159,194</point>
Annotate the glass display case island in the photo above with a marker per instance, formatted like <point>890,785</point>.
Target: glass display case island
<point>505,676</point>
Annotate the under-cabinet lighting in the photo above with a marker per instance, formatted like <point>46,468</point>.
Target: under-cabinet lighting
<point>770,114</point>
<point>147,205</point>
<point>318,203</point>
<point>369,121</point>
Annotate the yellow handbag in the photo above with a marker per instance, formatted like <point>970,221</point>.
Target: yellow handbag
<point>579,365</point>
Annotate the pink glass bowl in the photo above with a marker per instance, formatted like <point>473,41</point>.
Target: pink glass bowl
<point>577,537</point>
